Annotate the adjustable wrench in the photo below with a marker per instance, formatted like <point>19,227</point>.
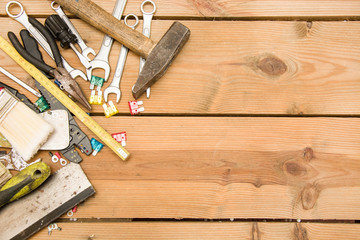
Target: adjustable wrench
<point>84,48</point>
<point>147,16</point>
<point>22,18</point>
<point>102,58</point>
<point>114,86</point>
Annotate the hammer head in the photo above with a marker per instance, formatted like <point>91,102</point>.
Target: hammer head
<point>161,57</point>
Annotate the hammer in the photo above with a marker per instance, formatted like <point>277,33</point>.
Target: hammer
<point>158,56</point>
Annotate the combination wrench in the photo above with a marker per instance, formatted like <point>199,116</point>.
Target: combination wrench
<point>85,50</point>
<point>114,86</point>
<point>147,16</point>
<point>102,58</point>
<point>23,18</point>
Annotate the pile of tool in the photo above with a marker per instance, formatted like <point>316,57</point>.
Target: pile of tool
<point>50,124</point>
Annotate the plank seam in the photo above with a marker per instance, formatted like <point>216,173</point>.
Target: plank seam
<point>96,220</point>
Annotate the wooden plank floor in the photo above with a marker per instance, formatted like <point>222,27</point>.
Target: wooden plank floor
<point>253,133</point>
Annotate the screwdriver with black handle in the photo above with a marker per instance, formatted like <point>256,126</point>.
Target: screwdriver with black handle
<point>60,31</point>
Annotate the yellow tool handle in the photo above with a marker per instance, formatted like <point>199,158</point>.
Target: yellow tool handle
<point>65,100</point>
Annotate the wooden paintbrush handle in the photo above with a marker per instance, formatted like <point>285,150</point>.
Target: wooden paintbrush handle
<point>105,22</point>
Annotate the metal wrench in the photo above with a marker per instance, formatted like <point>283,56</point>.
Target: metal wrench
<point>102,58</point>
<point>147,16</point>
<point>114,86</point>
<point>22,18</point>
<point>85,50</point>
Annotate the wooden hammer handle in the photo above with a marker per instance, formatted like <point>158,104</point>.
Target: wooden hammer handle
<point>105,22</point>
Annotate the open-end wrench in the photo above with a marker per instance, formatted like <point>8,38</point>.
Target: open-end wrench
<point>147,16</point>
<point>102,58</point>
<point>114,86</point>
<point>85,50</point>
<point>23,18</point>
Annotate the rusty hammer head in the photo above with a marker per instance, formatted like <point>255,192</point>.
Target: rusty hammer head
<point>160,58</point>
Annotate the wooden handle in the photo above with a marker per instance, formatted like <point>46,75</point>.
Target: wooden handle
<point>105,22</point>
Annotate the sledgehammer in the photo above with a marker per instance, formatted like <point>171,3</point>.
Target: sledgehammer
<point>158,55</point>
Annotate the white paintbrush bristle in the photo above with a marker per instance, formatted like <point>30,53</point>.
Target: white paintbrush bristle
<point>24,129</point>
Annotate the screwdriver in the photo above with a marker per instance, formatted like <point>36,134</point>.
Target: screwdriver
<point>60,31</point>
<point>21,83</point>
<point>40,103</point>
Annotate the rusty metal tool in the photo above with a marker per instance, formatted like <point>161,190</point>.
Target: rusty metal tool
<point>147,16</point>
<point>67,82</point>
<point>158,56</point>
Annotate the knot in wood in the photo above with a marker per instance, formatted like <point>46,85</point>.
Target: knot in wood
<point>309,196</point>
<point>308,153</point>
<point>300,232</point>
<point>272,66</point>
<point>295,169</point>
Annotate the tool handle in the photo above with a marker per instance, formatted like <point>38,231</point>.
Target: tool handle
<point>60,31</point>
<point>105,22</point>
<point>20,49</point>
<point>7,194</point>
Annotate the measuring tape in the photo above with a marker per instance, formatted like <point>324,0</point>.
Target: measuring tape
<point>65,100</point>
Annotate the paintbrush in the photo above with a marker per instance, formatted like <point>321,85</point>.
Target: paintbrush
<point>21,126</point>
<point>5,175</point>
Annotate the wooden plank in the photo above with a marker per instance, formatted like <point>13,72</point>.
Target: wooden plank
<point>292,68</point>
<point>202,230</point>
<point>221,8</point>
<point>62,191</point>
<point>214,167</point>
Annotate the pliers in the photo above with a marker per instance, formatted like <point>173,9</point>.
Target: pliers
<point>66,81</point>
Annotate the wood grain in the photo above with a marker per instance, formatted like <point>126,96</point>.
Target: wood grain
<point>202,230</point>
<point>216,167</point>
<point>291,68</point>
<point>221,8</point>
<point>198,152</point>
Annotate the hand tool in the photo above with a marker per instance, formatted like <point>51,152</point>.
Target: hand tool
<point>61,32</point>
<point>22,18</point>
<point>84,48</point>
<point>65,189</point>
<point>21,83</point>
<point>102,58</point>
<point>65,100</point>
<point>40,103</point>
<point>114,86</point>
<point>77,137</point>
<point>68,83</point>
<point>23,128</point>
<point>147,17</point>
<point>5,174</point>
<point>3,141</point>
<point>20,96</point>
<point>24,182</point>
<point>158,56</point>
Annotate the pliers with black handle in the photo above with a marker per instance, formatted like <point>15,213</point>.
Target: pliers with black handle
<point>59,73</point>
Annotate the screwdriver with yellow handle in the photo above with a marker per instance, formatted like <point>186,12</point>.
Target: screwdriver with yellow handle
<point>24,182</point>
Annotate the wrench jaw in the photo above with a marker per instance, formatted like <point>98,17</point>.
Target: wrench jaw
<point>87,51</point>
<point>99,64</point>
<point>112,89</point>
<point>77,73</point>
